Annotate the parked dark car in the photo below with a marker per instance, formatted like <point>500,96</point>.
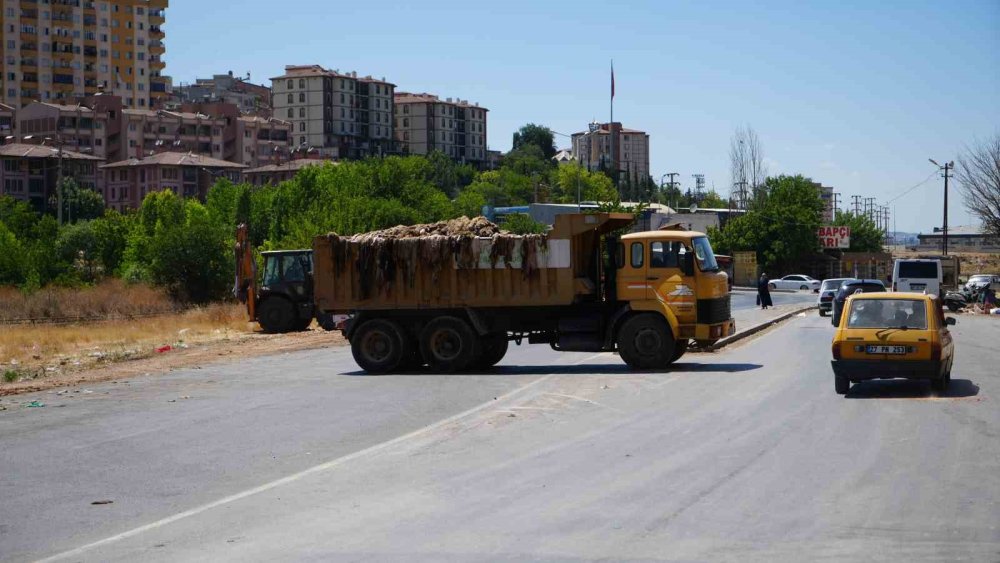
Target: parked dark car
<point>850,287</point>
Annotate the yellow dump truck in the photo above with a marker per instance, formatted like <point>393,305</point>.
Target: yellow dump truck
<point>455,302</point>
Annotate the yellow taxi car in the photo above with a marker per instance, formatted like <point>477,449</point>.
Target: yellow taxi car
<point>893,335</point>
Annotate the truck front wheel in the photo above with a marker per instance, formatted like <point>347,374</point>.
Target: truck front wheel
<point>645,342</point>
<point>377,346</point>
<point>448,344</point>
<point>276,314</point>
<point>681,347</point>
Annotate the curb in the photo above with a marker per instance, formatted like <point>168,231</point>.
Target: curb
<point>756,328</point>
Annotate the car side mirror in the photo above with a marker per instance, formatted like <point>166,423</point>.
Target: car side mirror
<point>950,321</point>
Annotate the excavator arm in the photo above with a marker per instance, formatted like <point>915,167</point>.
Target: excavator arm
<point>245,288</point>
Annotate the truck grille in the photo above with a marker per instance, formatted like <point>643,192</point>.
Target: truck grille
<point>713,310</point>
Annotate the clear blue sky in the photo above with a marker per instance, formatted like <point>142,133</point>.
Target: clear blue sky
<point>856,95</point>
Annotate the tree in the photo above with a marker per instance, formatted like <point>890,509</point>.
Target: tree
<point>865,234</point>
<point>523,224</point>
<point>712,200</point>
<point>78,246</point>
<point>746,166</point>
<point>537,135</point>
<point>978,175</point>
<point>781,229</point>
<point>569,178</point>
<point>79,204</point>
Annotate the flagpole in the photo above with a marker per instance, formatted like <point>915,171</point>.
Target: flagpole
<point>611,129</point>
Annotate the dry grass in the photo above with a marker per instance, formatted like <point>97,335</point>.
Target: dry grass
<point>111,299</point>
<point>37,350</point>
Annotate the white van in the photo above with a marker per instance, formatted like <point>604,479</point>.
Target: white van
<point>917,275</point>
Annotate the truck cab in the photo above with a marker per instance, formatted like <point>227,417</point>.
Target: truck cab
<point>675,273</point>
<point>285,298</point>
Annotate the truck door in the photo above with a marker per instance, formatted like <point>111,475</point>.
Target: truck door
<point>632,280</point>
<point>667,280</point>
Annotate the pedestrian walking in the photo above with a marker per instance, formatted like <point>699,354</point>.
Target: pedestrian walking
<point>763,292</point>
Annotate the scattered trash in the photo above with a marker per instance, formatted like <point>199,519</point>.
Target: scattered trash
<point>182,331</point>
<point>511,415</point>
<point>34,404</point>
<point>13,361</point>
<point>605,387</point>
<point>96,355</point>
<point>103,502</point>
<point>183,345</point>
<point>172,401</point>
<point>163,349</point>
<point>86,391</point>
<point>3,408</point>
<point>801,315</point>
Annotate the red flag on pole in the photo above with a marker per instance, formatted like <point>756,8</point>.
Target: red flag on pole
<point>612,79</point>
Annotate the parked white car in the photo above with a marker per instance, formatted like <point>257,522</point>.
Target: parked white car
<point>795,281</point>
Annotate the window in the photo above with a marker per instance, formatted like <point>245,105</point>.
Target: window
<point>663,255</point>
<point>302,83</point>
<point>302,140</point>
<point>406,122</point>
<point>291,99</point>
<point>703,253</point>
<point>885,313</point>
<point>302,112</point>
<point>636,254</point>
<point>302,97</point>
<point>302,126</point>
<point>10,165</point>
<point>290,83</point>
<point>291,112</point>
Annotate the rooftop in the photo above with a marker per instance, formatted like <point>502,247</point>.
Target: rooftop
<point>175,159</point>
<point>424,97</point>
<point>24,150</point>
<point>166,113</point>
<point>302,71</point>
<point>293,165</point>
<point>959,230</point>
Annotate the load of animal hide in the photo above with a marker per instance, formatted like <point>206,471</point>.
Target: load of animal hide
<point>377,256</point>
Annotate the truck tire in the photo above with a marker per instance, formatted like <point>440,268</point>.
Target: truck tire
<point>841,385</point>
<point>276,315</point>
<point>681,346</point>
<point>645,342</point>
<point>494,348</point>
<point>448,344</point>
<point>377,346</point>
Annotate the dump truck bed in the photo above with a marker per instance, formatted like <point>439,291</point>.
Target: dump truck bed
<point>445,272</point>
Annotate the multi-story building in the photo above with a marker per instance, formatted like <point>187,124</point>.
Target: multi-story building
<point>60,50</point>
<point>127,182</point>
<point>99,125</point>
<point>592,148</point>
<point>8,120</point>
<point>425,123</point>
<point>341,115</point>
<point>31,172</point>
<point>262,141</point>
<point>247,96</point>
<point>91,127</point>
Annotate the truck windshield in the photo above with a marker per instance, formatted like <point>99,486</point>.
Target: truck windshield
<point>703,252</point>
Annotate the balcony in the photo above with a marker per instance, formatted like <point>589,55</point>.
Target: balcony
<point>156,47</point>
<point>157,17</point>
<point>157,87</point>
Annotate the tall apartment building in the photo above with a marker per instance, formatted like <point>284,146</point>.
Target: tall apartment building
<point>341,115</point>
<point>64,49</point>
<point>425,123</point>
<point>592,148</point>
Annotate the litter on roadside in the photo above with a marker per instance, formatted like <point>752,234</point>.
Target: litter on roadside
<point>34,404</point>
<point>163,349</point>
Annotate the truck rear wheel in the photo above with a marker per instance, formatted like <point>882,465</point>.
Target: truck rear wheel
<point>645,342</point>
<point>494,348</point>
<point>377,346</point>
<point>448,344</point>
<point>276,314</point>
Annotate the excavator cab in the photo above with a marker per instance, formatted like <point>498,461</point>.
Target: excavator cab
<point>283,300</point>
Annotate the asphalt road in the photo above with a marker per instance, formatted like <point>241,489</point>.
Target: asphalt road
<point>742,300</point>
<point>743,454</point>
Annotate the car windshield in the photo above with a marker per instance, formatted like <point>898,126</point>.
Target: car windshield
<point>887,313</point>
<point>703,252</point>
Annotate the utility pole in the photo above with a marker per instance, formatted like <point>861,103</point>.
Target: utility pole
<point>741,191</point>
<point>836,205</point>
<point>857,204</point>
<point>944,224</point>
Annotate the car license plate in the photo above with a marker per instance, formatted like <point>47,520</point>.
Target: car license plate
<point>886,349</point>
<point>918,286</point>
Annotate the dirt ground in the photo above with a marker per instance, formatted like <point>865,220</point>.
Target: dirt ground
<point>152,363</point>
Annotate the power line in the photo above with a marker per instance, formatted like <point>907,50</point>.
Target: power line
<point>927,179</point>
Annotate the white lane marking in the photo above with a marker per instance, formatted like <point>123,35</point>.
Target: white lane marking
<point>304,473</point>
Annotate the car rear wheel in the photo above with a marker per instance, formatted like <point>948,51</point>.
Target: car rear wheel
<point>841,384</point>
<point>772,286</point>
<point>940,385</point>
<point>803,286</point>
